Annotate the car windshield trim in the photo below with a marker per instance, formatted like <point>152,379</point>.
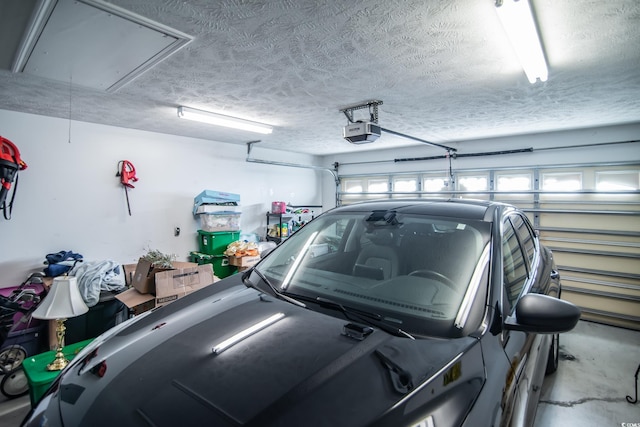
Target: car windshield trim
<point>472,290</point>
<point>297,260</point>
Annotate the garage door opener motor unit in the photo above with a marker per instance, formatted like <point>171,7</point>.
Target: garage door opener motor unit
<point>361,132</point>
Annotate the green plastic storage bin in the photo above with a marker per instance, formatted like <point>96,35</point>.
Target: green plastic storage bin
<point>221,267</point>
<point>216,242</point>
<point>35,369</point>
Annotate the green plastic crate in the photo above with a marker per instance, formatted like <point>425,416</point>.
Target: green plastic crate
<point>221,266</point>
<point>216,242</point>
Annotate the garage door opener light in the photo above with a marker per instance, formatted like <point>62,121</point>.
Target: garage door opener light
<point>219,348</point>
<point>222,120</point>
<point>518,22</point>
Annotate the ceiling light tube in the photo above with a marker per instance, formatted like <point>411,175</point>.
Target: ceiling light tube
<point>219,348</point>
<point>222,120</point>
<point>517,20</point>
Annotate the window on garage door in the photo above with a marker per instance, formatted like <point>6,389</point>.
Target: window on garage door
<point>363,188</point>
<point>435,184</point>
<point>474,186</point>
<point>562,181</point>
<point>404,185</point>
<point>619,180</point>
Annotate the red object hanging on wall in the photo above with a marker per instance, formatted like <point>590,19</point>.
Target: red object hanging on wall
<point>127,173</point>
<point>10,164</point>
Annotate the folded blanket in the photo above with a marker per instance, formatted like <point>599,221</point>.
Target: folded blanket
<point>94,277</point>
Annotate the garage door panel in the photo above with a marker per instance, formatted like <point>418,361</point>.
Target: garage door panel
<point>614,238</point>
<point>588,246</point>
<point>606,278</point>
<point>613,305</point>
<point>619,290</point>
<point>621,322</point>
<point>585,221</point>
<point>595,237</point>
<point>598,262</point>
<point>589,215</point>
<point>614,310</point>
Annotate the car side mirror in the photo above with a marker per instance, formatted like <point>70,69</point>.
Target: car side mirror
<point>543,314</point>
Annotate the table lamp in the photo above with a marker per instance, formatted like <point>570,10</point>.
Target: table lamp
<point>62,302</point>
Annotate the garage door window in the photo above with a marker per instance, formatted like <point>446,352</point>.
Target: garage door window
<point>352,186</point>
<point>473,183</point>
<point>378,186</point>
<point>405,184</point>
<point>617,180</point>
<point>514,182</point>
<point>435,184</point>
<point>566,181</point>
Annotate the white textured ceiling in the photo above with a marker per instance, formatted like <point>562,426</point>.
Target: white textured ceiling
<point>443,69</point>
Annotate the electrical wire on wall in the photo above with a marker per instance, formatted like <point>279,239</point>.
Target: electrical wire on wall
<point>631,400</point>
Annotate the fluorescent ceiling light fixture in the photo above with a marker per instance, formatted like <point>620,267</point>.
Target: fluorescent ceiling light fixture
<point>517,20</point>
<point>219,348</point>
<point>222,120</point>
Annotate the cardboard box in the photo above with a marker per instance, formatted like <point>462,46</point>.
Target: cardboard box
<point>136,302</point>
<point>169,286</point>
<point>129,271</point>
<point>244,261</point>
<point>144,277</point>
<point>174,284</point>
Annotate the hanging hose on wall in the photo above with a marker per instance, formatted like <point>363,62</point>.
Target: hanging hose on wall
<point>10,164</point>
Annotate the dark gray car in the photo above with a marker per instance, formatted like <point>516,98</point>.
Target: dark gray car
<point>394,313</point>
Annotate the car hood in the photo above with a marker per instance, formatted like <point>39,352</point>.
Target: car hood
<point>162,370</point>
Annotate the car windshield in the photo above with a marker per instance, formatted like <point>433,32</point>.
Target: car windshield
<point>417,273</point>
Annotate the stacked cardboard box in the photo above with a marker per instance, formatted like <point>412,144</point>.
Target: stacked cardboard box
<point>155,286</point>
<point>244,262</point>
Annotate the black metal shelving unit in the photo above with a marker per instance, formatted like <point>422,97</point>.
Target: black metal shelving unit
<point>277,219</point>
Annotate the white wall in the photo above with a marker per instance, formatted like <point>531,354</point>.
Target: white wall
<point>70,199</point>
<point>382,160</point>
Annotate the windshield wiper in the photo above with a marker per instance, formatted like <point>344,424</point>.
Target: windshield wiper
<point>368,317</point>
<point>277,294</point>
<point>350,310</point>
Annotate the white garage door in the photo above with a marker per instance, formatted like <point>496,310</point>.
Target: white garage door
<point>588,215</point>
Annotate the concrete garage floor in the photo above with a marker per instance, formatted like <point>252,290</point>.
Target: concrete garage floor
<point>595,374</point>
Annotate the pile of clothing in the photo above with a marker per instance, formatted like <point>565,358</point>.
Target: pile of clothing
<point>61,262</point>
<point>93,277</point>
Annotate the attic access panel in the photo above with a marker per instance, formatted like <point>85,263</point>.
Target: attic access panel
<point>97,45</point>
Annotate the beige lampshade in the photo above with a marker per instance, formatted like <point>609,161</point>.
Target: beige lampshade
<point>63,300</point>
